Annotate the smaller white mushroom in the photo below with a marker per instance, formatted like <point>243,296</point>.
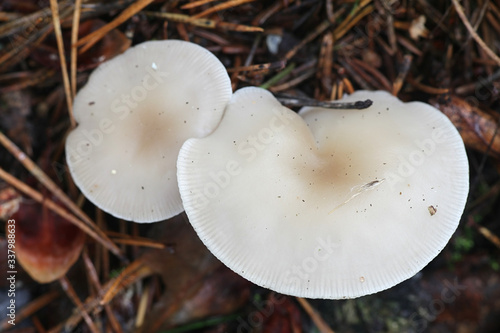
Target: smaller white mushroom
<point>328,203</point>
<point>134,114</point>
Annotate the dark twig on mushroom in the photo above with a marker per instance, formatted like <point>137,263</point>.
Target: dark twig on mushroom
<point>294,101</point>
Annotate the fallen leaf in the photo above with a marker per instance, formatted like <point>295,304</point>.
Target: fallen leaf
<point>478,128</point>
<point>46,245</point>
<point>197,284</point>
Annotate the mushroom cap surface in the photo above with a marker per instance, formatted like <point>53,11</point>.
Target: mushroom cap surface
<point>134,114</point>
<point>325,203</point>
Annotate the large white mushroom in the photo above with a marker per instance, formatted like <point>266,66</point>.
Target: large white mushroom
<point>325,203</point>
<point>134,114</point>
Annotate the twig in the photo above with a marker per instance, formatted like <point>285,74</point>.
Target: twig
<point>95,280</point>
<point>203,22</point>
<point>317,31</point>
<point>494,239</point>
<point>263,16</point>
<point>251,54</point>
<point>92,38</point>
<point>473,33</point>
<point>469,88</point>
<point>390,26</point>
<point>195,4</point>
<point>132,272</point>
<point>357,66</point>
<point>143,305</point>
<point>299,101</point>
<point>412,48</point>
<point>425,88</point>
<point>275,79</point>
<point>333,94</point>
<point>354,74</point>
<point>221,6</point>
<point>376,74</point>
<point>354,17</point>
<point>34,78</point>
<point>38,325</point>
<point>74,49</point>
<point>315,316</point>
<point>348,85</point>
<point>482,12</point>
<point>325,64</point>
<point>62,58</point>
<point>68,288</point>
<point>139,242</point>
<point>22,46</point>
<point>259,67</point>
<point>329,11</point>
<point>403,71</point>
<point>294,82</point>
<point>490,236</point>
<point>102,256</point>
<point>25,24</point>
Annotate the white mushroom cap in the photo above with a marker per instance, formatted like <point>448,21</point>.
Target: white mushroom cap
<point>134,114</point>
<point>329,203</point>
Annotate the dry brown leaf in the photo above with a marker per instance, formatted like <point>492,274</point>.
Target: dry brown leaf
<point>46,244</point>
<point>479,129</point>
<point>197,284</point>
